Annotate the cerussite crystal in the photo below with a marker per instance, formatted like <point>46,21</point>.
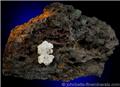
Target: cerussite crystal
<point>45,50</point>
<point>81,45</point>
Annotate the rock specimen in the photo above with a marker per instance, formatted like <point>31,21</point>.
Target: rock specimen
<point>81,45</point>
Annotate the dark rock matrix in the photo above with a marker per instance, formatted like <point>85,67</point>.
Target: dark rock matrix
<point>82,45</point>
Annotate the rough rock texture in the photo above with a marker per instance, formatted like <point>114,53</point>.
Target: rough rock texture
<point>81,45</point>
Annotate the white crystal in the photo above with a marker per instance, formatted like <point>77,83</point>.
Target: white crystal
<point>44,50</point>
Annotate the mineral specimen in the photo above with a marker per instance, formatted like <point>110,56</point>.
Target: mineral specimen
<point>81,45</point>
<point>45,49</point>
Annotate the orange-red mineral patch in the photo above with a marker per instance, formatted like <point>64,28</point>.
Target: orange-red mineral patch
<point>20,28</point>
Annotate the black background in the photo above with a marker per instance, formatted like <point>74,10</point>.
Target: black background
<point>106,11</point>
